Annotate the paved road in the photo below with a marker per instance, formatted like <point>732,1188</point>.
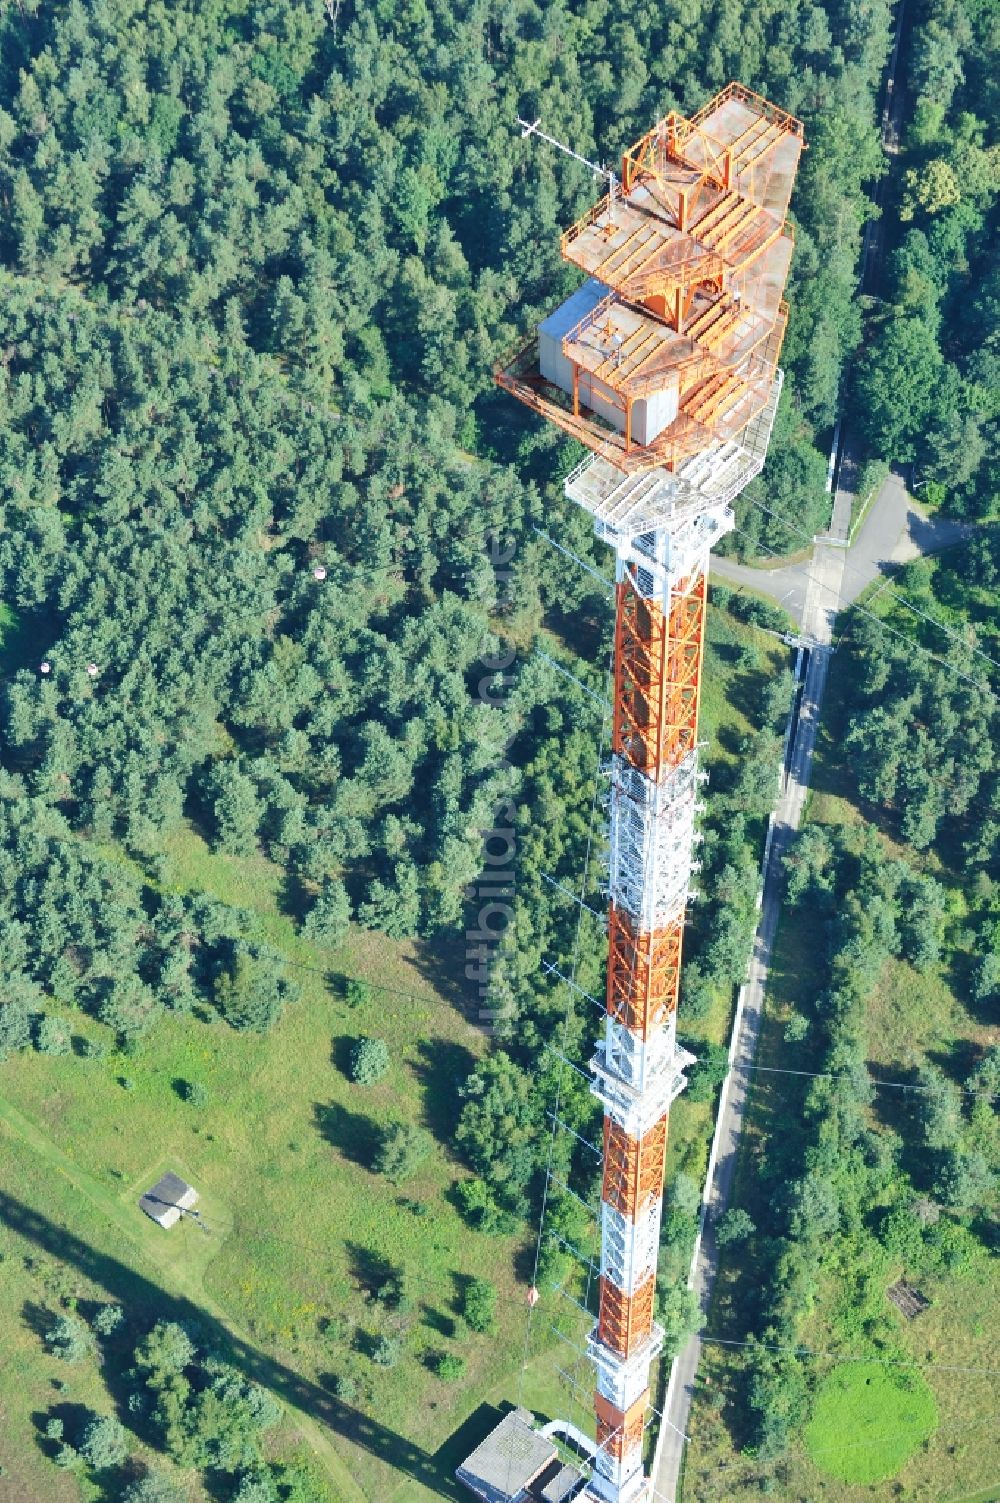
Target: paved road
<point>895,530</point>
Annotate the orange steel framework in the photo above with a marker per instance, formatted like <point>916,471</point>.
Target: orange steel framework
<point>665,366</point>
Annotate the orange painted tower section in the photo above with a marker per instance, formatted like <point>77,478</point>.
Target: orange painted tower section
<point>664,364</point>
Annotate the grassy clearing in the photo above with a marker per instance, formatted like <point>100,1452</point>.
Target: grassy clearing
<point>302,1230</point>
<point>886,1415</point>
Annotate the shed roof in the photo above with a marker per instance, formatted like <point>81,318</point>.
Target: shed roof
<point>509,1459</point>
<point>563,1485</point>
<point>167,1198</point>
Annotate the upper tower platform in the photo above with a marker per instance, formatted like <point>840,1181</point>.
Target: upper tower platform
<point>673,344</point>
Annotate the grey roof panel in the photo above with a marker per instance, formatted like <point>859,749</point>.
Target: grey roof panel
<point>509,1458</point>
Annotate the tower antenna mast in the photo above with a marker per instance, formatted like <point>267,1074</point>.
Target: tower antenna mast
<point>533,128</point>
<point>664,364</point>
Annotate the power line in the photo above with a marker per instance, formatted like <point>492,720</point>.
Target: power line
<point>895,1085</point>
<point>839,1358</point>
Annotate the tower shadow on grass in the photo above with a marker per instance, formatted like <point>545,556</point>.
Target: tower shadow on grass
<point>137,1293</point>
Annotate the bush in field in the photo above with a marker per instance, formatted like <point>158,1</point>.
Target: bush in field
<point>479,1304</point>
<point>370,1059</point>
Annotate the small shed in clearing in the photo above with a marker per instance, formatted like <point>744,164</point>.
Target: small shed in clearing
<point>169,1198</point>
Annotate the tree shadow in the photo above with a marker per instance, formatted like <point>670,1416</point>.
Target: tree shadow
<point>74,1417</point>
<point>461,1283</point>
<point>293,899</point>
<point>340,1053</point>
<point>135,1292</point>
<point>38,1319</point>
<point>441,962</point>
<point>956,1059</point>
<point>442,1066</point>
<point>355,1137</point>
<point>524,1262</point>
<point>369,1269</point>
<point>437,1320</point>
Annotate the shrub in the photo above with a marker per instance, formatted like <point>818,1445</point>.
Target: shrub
<point>402,1150</point>
<point>479,1305</point>
<point>195,1094</point>
<point>105,1442</point>
<point>697,993</point>
<point>69,1340</point>
<point>554,1263</point>
<point>54,1428</point>
<point>154,1488</point>
<point>709,1073</point>
<point>683,1194</point>
<point>15,1024</point>
<point>796,1029</point>
<point>357,993</point>
<point>236,807</point>
<point>167,1349</point>
<point>450,1367</point>
<point>130,1008</point>
<point>369,1060</point>
<point>251,991</point>
<point>53,1036</point>
<point>256,1487</point>
<point>329,917</point>
<point>734,1226</point>
<point>478,1205</point>
<point>108,1319</point>
<point>344,1388</point>
<point>387,1351</point>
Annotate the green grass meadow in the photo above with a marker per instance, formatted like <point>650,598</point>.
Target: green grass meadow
<point>885,1415</point>
<point>300,1229</point>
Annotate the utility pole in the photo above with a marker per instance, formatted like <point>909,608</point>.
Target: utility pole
<point>664,364</point>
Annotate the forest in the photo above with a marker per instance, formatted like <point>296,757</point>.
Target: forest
<point>925,388</point>
<point>255,267</point>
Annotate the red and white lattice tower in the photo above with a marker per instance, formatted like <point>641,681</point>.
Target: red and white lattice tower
<point>665,365</point>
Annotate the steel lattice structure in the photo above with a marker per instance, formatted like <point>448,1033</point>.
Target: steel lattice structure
<point>664,364</point>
